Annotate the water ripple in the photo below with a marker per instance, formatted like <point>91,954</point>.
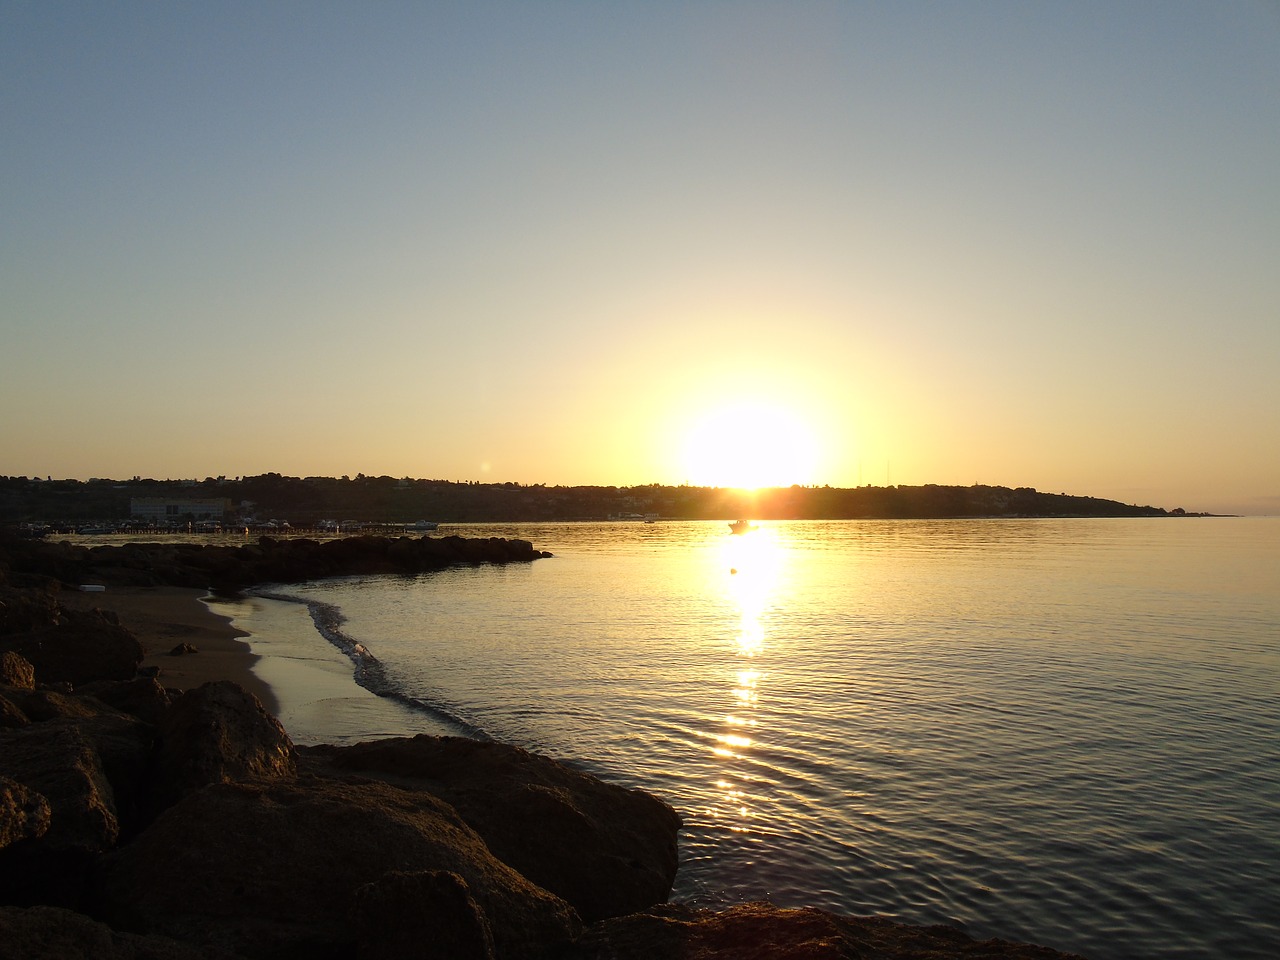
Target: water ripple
<point>1064,732</point>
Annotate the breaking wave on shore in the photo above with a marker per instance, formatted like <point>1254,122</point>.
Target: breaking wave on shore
<point>370,672</point>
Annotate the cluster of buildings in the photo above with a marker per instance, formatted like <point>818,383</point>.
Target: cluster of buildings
<point>162,511</point>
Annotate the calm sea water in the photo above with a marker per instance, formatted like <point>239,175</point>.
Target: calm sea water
<point>1059,731</point>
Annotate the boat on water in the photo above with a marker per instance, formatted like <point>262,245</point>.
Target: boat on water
<point>422,525</point>
<point>741,526</point>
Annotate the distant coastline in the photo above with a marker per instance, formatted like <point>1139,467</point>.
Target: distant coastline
<point>272,500</point>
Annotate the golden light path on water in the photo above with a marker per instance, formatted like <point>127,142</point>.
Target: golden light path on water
<point>754,562</point>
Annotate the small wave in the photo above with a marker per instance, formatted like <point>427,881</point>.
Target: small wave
<point>370,672</point>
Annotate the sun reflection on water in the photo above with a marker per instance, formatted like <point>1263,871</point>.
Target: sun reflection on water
<point>752,563</point>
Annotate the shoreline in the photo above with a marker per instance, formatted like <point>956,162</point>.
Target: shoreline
<point>318,698</point>
<point>167,597</point>
<point>162,618</point>
<point>232,785</point>
<point>298,675</point>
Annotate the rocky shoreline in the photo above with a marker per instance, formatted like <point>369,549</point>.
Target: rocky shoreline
<point>139,821</point>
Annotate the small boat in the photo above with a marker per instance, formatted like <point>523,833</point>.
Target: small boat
<point>424,525</point>
<point>741,526</point>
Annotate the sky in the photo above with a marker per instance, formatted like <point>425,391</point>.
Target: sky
<point>844,243</point>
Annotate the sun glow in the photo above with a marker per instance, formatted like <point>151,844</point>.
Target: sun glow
<point>750,444</point>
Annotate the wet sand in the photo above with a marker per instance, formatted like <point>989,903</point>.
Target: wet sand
<point>164,617</point>
<point>299,677</point>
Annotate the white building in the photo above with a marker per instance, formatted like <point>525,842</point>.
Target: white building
<point>161,510</point>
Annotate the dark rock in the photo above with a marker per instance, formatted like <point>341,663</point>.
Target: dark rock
<point>11,715</point>
<point>92,773</point>
<point>16,671</point>
<point>55,759</point>
<point>41,563</point>
<point>605,849</point>
<point>46,703</point>
<point>52,933</point>
<point>761,931</point>
<point>271,869</point>
<point>25,610</point>
<point>83,765</point>
<point>216,733</point>
<point>183,649</point>
<point>22,705</point>
<point>82,646</point>
<point>24,814</point>
<point>142,697</point>
<point>429,915</point>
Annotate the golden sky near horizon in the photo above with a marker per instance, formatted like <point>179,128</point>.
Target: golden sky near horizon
<point>572,243</point>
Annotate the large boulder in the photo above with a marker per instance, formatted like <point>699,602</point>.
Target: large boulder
<point>91,772</point>
<point>52,933</point>
<point>272,870</point>
<point>16,671</point>
<point>141,697</point>
<point>92,769</point>
<point>605,849</point>
<point>216,733</point>
<point>46,703</point>
<point>761,931</point>
<point>24,814</point>
<point>26,609</point>
<point>429,915</point>
<point>11,715</point>
<point>81,647</point>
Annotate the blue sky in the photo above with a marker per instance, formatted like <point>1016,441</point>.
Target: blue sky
<point>1014,243</point>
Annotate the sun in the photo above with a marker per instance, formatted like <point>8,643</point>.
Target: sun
<point>749,444</point>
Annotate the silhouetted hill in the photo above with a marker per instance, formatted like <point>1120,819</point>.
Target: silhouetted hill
<point>304,502</point>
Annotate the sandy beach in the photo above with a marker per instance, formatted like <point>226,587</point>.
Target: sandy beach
<point>304,681</point>
<point>162,618</point>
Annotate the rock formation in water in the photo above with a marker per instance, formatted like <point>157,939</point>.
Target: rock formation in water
<point>227,569</point>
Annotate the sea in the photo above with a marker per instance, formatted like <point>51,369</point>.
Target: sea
<point>1063,731</point>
